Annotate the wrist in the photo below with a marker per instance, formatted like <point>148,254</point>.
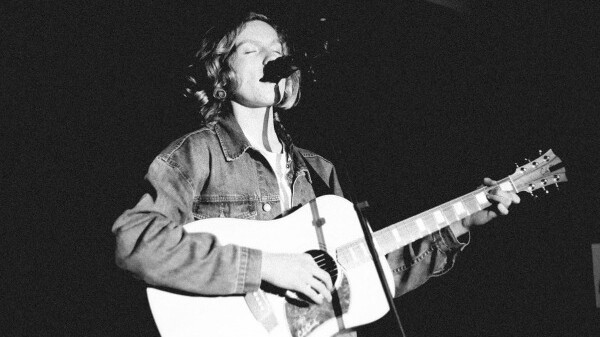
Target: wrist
<point>459,228</point>
<point>466,223</point>
<point>456,236</point>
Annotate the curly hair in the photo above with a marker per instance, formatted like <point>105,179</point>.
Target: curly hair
<point>210,73</point>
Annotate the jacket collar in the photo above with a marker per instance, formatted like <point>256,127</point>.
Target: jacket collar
<point>231,137</point>
<point>234,143</point>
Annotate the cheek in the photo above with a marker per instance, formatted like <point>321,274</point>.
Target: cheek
<point>240,79</point>
<point>246,78</point>
<point>240,69</point>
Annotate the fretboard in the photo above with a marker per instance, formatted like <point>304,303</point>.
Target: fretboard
<point>407,231</point>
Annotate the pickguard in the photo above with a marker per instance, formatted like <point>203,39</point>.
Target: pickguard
<point>303,319</point>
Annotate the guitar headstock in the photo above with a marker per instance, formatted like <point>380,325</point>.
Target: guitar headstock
<point>538,173</point>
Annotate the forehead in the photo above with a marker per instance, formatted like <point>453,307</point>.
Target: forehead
<point>258,31</point>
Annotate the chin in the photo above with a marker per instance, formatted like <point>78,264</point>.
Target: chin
<point>271,100</point>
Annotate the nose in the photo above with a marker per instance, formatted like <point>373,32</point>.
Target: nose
<point>270,56</point>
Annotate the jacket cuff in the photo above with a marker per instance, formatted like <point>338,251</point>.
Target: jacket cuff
<point>250,270</point>
<point>450,242</point>
<point>450,246</point>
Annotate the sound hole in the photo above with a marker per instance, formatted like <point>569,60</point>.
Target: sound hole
<point>325,262</point>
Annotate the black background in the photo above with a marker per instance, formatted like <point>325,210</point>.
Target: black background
<point>415,103</point>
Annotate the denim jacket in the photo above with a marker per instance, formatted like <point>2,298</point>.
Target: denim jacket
<point>215,172</point>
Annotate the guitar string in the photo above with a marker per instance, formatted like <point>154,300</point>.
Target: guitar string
<point>407,226</point>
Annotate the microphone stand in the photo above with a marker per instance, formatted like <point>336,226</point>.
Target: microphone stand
<point>364,222</point>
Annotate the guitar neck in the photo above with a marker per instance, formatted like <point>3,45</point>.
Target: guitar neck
<point>407,231</point>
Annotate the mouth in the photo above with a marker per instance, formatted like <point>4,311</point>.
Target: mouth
<point>269,79</point>
<point>280,68</point>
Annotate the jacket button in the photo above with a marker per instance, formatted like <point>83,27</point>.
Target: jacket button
<point>266,207</point>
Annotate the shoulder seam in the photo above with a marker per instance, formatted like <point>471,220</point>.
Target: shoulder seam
<point>181,141</point>
<point>172,164</point>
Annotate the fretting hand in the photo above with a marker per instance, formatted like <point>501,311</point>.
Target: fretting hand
<point>501,199</point>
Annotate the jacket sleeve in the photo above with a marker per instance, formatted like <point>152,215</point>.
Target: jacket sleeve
<point>433,255</point>
<point>152,244</point>
<point>414,264</point>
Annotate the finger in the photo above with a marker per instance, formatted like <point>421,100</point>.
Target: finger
<point>489,182</point>
<point>308,291</point>
<point>509,198</point>
<point>491,215</point>
<point>501,199</point>
<point>320,289</point>
<point>323,280</point>
<point>317,272</point>
<point>513,196</point>
<point>502,209</point>
<point>323,276</point>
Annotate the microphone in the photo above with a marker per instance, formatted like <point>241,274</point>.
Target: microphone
<point>280,68</point>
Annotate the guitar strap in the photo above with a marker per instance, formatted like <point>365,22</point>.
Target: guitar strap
<point>261,309</point>
<point>318,222</point>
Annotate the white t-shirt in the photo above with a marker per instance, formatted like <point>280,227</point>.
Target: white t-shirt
<point>278,162</point>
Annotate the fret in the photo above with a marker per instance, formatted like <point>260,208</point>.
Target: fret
<point>396,234</point>
<point>359,250</point>
<point>449,215</point>
<point>460,210</point>
<point>421,226</point>
<point>352,253</point>
<point>364,250</point>
<point>506,186</point>
<point>482,199</point>
<point>342,256</point>
<point>439,218</point>
<point>400,234</point>
<point>376,241</point>
<point>472,205</point>
<point>430,223</point>
<point>385,241</point>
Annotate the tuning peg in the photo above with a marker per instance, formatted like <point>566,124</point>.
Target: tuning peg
<point>545,182</point>
<point>522,169</point>
<point>530,191</point>
<point>540,152</point>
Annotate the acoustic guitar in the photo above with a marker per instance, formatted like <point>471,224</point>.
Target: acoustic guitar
<point>329,229</point>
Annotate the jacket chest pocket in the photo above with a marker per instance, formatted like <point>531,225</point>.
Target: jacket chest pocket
<point>240,209</point>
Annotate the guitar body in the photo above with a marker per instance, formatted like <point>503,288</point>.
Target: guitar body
<point>359,292</point>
